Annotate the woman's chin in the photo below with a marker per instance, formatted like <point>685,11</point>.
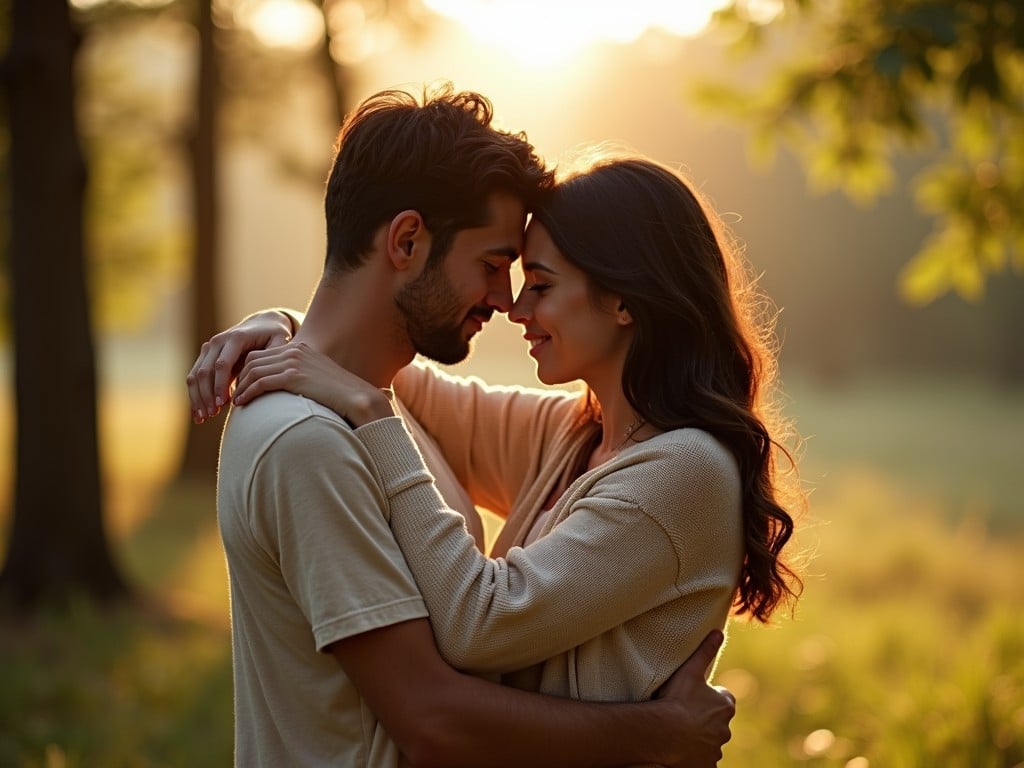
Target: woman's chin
<point>550,379</point>
<point>541,377</point>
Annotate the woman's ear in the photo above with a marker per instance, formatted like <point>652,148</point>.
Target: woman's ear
<point>407,240</point>
<point>622,316</point>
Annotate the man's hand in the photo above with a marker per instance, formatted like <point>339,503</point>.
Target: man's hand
<point>704,710</point>
<point>221,358</point>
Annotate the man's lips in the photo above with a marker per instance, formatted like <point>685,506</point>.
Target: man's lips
<point>478,319</point>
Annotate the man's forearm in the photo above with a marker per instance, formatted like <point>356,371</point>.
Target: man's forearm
<point>441,717</point>
<point>517,728</point>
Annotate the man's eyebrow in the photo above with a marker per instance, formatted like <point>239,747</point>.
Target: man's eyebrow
<point>536,266</point>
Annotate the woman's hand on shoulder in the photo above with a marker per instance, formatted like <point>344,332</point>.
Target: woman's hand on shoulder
<point>219,360</point>
<point>298,368</point>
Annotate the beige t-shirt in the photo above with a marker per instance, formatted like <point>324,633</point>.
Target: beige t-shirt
<point>311,560</point>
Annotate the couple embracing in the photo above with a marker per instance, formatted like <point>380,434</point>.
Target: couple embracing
<point>369,626</point>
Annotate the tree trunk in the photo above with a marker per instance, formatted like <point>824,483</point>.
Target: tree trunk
<point>57,542</point>
<point>203,441</point>
<point>334,77</point>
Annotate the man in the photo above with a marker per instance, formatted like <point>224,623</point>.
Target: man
<point>335,662</point>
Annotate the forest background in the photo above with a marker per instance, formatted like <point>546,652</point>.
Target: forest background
<point>868,156</point>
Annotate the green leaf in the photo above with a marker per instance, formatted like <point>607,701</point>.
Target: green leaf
<point>890,61</point>
<point>928,275</point>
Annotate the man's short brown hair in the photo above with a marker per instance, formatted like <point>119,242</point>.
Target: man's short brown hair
<point>439,156</point>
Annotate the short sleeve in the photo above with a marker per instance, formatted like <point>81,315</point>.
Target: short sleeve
<point>319,510</point>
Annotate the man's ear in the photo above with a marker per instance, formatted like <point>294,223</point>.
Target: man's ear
<point>408,241</point>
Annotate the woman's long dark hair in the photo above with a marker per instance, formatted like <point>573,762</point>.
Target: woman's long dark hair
<point>703,354</point>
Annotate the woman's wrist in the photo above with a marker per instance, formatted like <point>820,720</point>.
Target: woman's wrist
<point>293,322</point>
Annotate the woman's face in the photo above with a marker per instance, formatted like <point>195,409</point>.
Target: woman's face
<point>571,337</point>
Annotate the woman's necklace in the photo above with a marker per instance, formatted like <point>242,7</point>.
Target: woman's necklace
<point>630,430</point>
<point>592,459</point>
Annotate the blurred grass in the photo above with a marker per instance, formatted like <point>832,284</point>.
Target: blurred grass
<point>906,650</point>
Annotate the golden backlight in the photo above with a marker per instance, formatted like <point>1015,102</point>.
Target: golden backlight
<point>541,34</point>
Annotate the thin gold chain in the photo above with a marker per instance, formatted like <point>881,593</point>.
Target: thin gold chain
<point>630,430</point>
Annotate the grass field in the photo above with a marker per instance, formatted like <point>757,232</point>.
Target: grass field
<point>906,650</point>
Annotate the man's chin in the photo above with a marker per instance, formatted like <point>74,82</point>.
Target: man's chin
<point>447,355</point>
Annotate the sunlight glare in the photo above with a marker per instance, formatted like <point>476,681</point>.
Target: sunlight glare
<point>541,33</point>
<point>85,5</point>
<point>355,37</point>
<point>296,25</point>
<point>762,11</point>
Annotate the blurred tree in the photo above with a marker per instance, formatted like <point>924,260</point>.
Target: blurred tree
<point>57,544</point>
<point>248,83</point>
<point>871,75</point>
<point>133,72</point>
<point>201,445</point>
<point>258,80</point>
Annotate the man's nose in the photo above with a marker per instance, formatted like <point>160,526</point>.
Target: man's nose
<point>500,296</point>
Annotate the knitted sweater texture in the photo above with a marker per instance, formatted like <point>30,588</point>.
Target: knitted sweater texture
<point>637,562</point>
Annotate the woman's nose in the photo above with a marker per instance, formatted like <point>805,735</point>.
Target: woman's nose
<point>520,312</point>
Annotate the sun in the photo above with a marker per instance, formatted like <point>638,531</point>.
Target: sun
<point>287,24</point>
<point>541,34</point>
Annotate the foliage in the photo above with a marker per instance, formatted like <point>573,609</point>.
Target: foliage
<point>861,78</point>
<point>906,650</point>
<point>122,688</point>
<point>135,72</point>
<point>133,120</point>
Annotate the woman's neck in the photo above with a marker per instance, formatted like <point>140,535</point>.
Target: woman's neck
<point>621,427</point>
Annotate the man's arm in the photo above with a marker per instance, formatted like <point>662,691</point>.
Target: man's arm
<point>440,717</point>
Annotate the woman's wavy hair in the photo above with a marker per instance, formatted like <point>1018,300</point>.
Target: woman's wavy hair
<point>704,352</point>
<point>438,154</point>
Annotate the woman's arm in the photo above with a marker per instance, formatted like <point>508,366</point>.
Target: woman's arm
<point>493,437</point>
<point>506,613</point>
<point>606,563</point>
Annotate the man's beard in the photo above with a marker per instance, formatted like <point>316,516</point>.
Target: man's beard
<point>433,316</point>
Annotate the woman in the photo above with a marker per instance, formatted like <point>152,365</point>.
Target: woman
<point>638,515</point>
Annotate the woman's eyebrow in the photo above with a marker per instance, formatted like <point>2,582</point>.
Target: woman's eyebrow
<point>536,266</point>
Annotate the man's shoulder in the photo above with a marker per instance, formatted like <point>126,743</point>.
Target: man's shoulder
<point>284,441</point>
<point>276,411</point>
<point>278,416</point>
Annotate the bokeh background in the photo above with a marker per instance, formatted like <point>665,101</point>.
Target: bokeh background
<point>868,157</point>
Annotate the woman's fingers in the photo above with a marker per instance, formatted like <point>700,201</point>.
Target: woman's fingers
<point>209,380</point>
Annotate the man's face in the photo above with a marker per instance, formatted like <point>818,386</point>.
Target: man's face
<point>453,297</point>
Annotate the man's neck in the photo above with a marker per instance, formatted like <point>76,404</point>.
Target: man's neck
<point>352,319</point>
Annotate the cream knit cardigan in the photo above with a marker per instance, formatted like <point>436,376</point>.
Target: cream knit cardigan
<point>637,562</point>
